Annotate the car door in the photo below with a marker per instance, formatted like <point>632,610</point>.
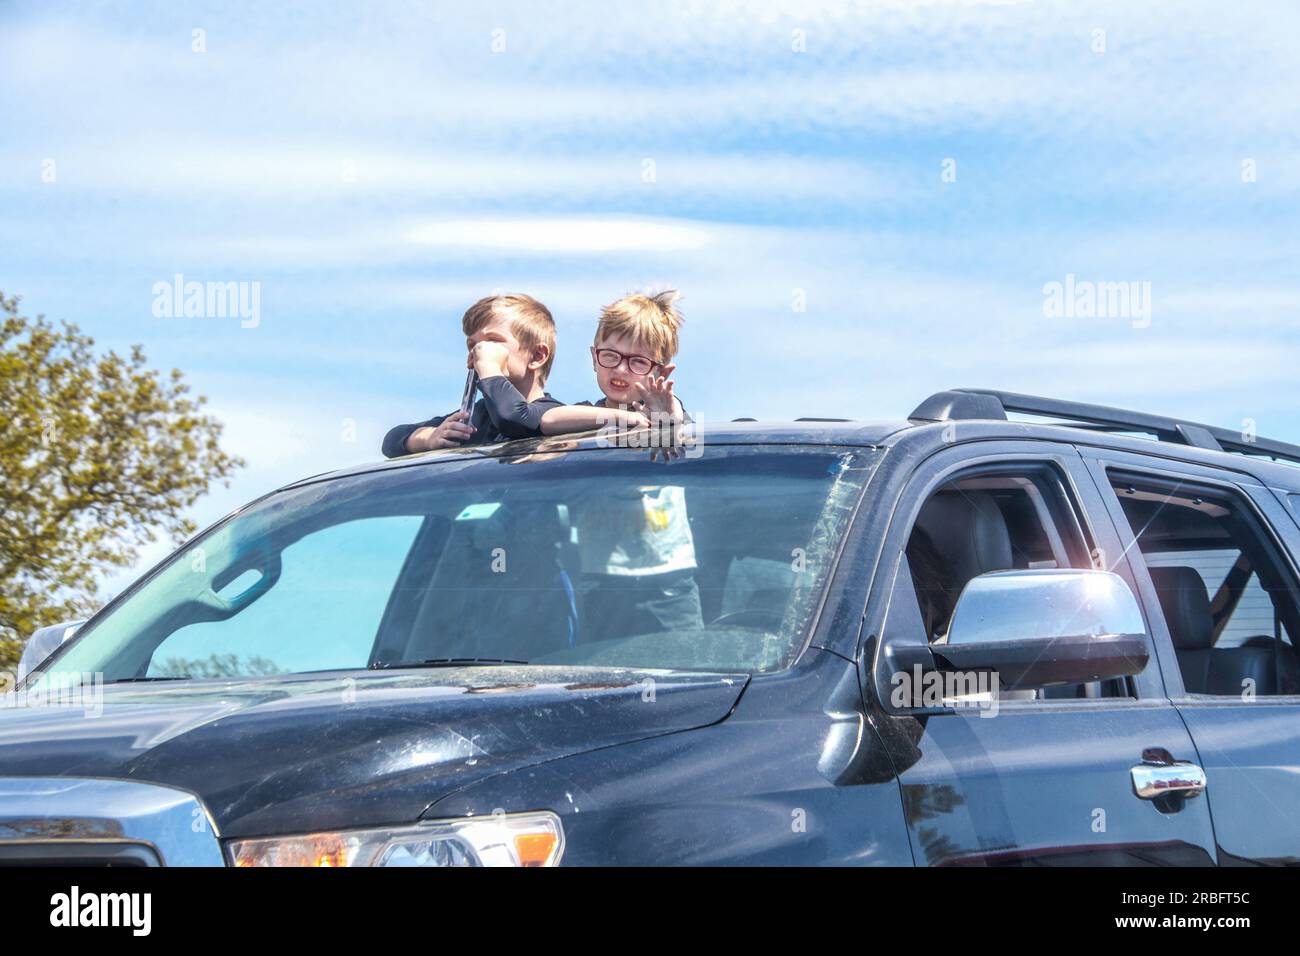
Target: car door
<point>1043,781</point>
<point>1248,740</point>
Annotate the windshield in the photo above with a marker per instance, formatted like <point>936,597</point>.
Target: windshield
<point>578,558</point>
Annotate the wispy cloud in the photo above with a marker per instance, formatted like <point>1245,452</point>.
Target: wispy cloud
<point>861,201</point>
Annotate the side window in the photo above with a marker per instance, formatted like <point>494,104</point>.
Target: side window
<point>996,520</point>
<point>322,611</point>
<point>989,522</point>
<point>1242,607</point>
<point>1228,598</point>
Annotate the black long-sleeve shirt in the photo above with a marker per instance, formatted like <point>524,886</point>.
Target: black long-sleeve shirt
<point>502,414</point>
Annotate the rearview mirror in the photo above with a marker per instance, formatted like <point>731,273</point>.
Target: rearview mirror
<point>1036,628</point>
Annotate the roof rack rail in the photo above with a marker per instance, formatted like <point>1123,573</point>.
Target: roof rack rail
<point>985,403</point>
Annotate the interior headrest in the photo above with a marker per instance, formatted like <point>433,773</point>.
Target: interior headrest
<point>968,529</point>
<point>1186,607</point>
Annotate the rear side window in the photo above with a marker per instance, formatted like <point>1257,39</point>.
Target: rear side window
<point>1251,614</point>
<point>1228,596</point>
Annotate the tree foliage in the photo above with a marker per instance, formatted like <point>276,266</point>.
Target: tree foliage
<point>98,456</point>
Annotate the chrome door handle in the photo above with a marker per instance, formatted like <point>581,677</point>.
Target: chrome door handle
<point>1159,774</point>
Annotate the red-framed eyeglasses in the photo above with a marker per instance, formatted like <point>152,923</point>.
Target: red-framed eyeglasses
<point>612,358</point>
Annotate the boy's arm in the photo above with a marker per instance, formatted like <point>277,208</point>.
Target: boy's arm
<point>587,417</point>
<point>511,413</point>
<point>395,441</point>
<point>443,431</point>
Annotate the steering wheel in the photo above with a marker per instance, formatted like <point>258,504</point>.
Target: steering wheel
<point>750,617</point>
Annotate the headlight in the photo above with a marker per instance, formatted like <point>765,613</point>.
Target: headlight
<point>503,839</point>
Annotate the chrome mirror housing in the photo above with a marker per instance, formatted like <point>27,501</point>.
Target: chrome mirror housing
<point>1044,603</point>
<point>1036,628</point>
<point>44,642</point>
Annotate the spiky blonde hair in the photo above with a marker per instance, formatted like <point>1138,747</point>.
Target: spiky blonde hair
<point>651,321</point>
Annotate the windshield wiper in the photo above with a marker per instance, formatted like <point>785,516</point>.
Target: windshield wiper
<point>141,680</point>
<point>442,662</point>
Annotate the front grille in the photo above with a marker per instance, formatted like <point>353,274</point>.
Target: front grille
<point>78,821</point>
<point>72,853</point>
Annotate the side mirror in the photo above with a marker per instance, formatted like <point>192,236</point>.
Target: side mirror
<point>44,642</point>
<point>1040,627</point>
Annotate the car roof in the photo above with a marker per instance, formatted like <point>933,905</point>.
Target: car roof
<point>953,416</point>
<point>806,432</point>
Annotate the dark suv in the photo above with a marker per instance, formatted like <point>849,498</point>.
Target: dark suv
<point>959,639</point>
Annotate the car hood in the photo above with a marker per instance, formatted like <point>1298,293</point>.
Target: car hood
<point>313,752</point>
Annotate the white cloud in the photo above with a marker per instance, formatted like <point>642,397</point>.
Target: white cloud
<point>774,171</point>
<point>577,78</point>
<point>590,234</point>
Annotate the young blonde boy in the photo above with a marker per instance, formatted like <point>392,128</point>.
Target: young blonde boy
<point>632,356</point>
<point>510,340</point>
<point>635,541</point>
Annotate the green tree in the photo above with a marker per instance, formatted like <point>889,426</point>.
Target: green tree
<point>98,456</point>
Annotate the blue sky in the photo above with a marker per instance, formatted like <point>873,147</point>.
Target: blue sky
<point>377,167</point>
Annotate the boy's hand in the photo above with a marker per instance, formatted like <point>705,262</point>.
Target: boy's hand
<point>657,397</point>
<point>668,441</point>
<point>451,433</point>
<point>658,403</point>
<point>488,359</point>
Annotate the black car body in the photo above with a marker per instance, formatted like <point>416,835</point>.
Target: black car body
<point>773,735</point>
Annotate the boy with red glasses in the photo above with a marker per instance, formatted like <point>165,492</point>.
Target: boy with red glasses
<point>635,542</point>
<point>632,356</point>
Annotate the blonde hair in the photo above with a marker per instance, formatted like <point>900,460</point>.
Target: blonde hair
<point>649,320</point>
<point>531,322</point>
